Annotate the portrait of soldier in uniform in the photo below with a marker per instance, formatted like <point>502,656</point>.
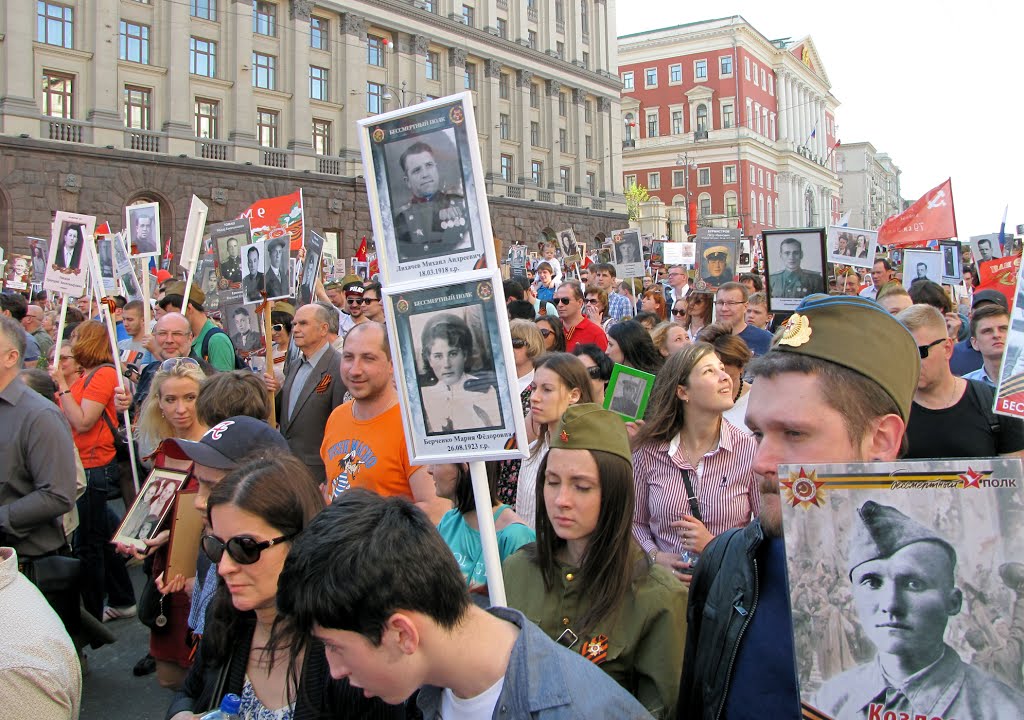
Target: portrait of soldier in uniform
<point>435,220</point>
<point>793,282</point>
<point>143,229</point>
<point>253,284</point>
<point>231,261</point>
<point>277,271</point>
<point>717,268</point>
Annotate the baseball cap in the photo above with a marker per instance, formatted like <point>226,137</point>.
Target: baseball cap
<point>227,443</point>
<point>992,296</point>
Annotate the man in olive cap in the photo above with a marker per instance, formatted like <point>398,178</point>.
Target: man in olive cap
<point>836,386</point>
<point>903,582</point>
<point>716,261</point>
<point>793,281</point>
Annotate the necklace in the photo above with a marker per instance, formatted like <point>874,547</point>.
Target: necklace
<point>952,394</point>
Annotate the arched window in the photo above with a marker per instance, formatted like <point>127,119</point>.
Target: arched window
<point>731,204</point>
<point>704,204</point>
<point>702,117</point>
<point>752,210</point>
<point>630,123</point>
<point>776,211</point>
<point>679,200</point>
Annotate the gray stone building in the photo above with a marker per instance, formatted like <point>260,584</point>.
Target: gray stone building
<point>871,185</point>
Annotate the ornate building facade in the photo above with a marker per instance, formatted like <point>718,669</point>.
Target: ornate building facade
<point>871,185</point>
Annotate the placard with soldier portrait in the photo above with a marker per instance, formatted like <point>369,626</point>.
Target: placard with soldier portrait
<point>228,238</point>
<point>906,582</point>
<point>717,250</point>
<point>851,246</point>
<point>18,273</point>
<point>459,392</point>
<point>254,283</point>
<point>627,253</point>
<point>426,187</point>
<point>922,265</point>
<point>142,224</point>
<point>794,261</point>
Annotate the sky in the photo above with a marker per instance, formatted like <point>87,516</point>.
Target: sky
<point>939,86</point>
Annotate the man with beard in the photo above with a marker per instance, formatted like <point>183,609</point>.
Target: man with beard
<point>835,387</point>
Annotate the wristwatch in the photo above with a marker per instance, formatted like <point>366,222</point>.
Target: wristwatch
<point>653,555</point>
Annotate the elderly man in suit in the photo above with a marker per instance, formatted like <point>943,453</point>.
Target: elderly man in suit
<point>312,388</point>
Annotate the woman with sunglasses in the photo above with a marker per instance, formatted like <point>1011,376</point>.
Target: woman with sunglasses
<point>553,332</point>
<point>693,469</point>
<point>559,380</point>
<point>595,307</point>
<point>527,346</point>
<point>698,312</point>
<point>281,333</point>
<point>253,514</point>
<point>585,581</point>
<point>653,300</point>
<point>599,368</point>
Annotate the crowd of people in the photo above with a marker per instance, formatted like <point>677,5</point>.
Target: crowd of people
<point>643,560</point>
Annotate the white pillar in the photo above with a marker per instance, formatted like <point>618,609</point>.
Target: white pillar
<point>783,102</point>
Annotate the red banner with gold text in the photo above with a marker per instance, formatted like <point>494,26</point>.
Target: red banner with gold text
<point>930,218</point>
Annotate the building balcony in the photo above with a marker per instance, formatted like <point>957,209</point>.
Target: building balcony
<point>65,130</point>
<point>213,149</point>
<point>329,165</point>
<point>274,158</point>
<point>531,14</point>
<point>144,140</point>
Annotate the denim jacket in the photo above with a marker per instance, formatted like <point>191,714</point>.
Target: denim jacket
<point>545,681</point>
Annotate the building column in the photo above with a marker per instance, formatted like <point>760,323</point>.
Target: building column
<point>600,53</point>
<point>783,98</point>
<point>549,132</point>
<point>456,70</point>
<point>416,82</point>
<point>19,107</point>
<point>823,124</point>
<point>102,106</point>
<point>488,95</point>
<point>295,43</point>
<point>178,100</point>
<point>521,112</point>
<point>353,90</point>
<point>608,144</point>
<point>577,134</point>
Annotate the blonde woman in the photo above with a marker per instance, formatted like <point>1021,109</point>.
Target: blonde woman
<point>669,337</point>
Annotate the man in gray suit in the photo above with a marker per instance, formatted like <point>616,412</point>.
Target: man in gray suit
<point>311,390</point>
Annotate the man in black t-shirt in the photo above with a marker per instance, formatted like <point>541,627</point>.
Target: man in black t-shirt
<point>952,416</point>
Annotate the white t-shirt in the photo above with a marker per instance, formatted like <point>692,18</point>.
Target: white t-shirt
<point>480,707</point>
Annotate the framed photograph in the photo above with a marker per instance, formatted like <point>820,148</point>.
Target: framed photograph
<point>628,391</point>
<point>455,372</point>
<point>37,246</point>
<point>186,532</point>
<point>142,223</point>
<point>851,246</point>
<point>952,262</point>
<point>625,251</point>
<point>206,280</point>
<point>567,245</point>
<point>914,564</point>
<point>277,272</point>
<point>310,270</point>
<point>18,273</point>
<point>105,255</point>
<point>715,263</point>
<point>64,270</point>
<point>794,261</point>
<point>243,326</point>
<point>985,247</point>
<point>125,270</point>
<point>744,262</point>
<point>154,501</point>
<point>228,240</point>
<point>922,265</point>
<point>426,189</point>
<point>254,282</point>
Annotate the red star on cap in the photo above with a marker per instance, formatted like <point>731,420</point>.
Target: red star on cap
<point>564,436</point>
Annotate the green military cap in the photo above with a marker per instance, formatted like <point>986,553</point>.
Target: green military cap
<point>858,334</point>
<point>284,307</point>
<point>881,530</point>
<point>194,294</point>
<point>590,427</point>
<point>721,250</point>
<point>334,285</point>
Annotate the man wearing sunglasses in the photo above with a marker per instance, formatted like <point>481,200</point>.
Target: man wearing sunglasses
<point>568,301</point>
<point>951,416</point>
<point>373,308</point>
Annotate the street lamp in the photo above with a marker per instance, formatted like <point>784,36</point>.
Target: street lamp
<point>683,160</point>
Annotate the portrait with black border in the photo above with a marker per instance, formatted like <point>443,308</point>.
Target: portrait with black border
<point>801,273</point>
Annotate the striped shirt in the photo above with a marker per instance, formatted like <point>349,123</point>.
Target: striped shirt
<point>726,488</point>
<point>619,307</point>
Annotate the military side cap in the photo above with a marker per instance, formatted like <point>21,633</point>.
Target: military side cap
<point>284,307</point>
<point>590,427</point>
<point>194,294</point>
<point>334,285</point>
<point>711,252</point>
<point>858,334</point>
<point>881,530</point>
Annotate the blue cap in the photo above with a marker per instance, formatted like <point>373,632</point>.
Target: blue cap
<point>231,704</point>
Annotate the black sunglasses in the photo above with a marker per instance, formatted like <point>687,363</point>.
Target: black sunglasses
<point>243,550</point>
<point>518,343</point>
<point>924,349</point>
<point>564,301</point>
<point>545,332</point>
<point>594,372</point>
<point>678,312</point>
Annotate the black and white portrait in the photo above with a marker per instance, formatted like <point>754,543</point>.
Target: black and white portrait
<point>253,280</point>
<point>277,272</point>
<point>154,501</point>
<point>70,245</point>
<point>143,226</point>
<point>952,264</point>
<point>567,243</point>
<point>795,265</point>
<point>243,327</point>
<point>65,265</point>
<point>629,392</point>
<point>985,247</point>
<point>105,254</point>
<point>851,246</point>
<point>18,273</point>
<point>922,265</point>
<point>228,239</point>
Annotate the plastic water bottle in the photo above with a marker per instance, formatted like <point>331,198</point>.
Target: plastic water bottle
<point>691,557</point>
<point>229,707</point>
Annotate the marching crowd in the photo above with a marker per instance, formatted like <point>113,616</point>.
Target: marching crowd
<point>643,561</point>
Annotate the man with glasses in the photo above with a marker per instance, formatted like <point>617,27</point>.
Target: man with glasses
<point>678,285</point>
<point>578,329</point>
<point>373,307</point>
<point>730,311</point>
<point>173,337</point>
<point>952,417</point>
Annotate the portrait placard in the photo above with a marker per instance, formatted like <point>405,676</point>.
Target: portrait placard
<point>314,244</point>
<point>105,255</point>
<point>517,256</point>
<point>65,272</point>
<point>254,282</point>
<point>18,273</point>
<point>568,246</point>
<point>206,280</point>
<point>794,261</point>
<point>277,272</point>
<point>680,253</point>
<point>985,247</point>
<point>37,247</point>
<point>460,399</point>
<point>921,265</point>
<point>124,268</point>
<point>228,238</point>
<point>952,262</point>
<point>425,182</point>
<point>626,253</point>
<point>852,246</point>
<point>1010,384</point>
<point>243,326</point>
<point>142,223</point>
<point>906,569</point>
<point>715,258</point>
<point>628,391</point>
<point>154,501</point>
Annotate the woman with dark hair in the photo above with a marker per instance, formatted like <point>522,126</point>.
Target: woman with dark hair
<point>280,333</point>
<point>559,380</point>
<point>698,312</point>
<point>461,531</point>
<point>69,248</point>
<point>457,400</point>
<point>648,319</point>
<point>926,292</point>
<point>253,514</point>
<point>585,581</point>
<point>599,367</point>
<point>734,354</point>
<point>595,307</point>
<point>631,345</point>
<point>653,301</point>
<point>553,332</point>
<point>693,470</point>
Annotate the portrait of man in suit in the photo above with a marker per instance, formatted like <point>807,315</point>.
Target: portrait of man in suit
<point>69,247</point>
<point>276,273</point>
<point>253,283</point>
<point>245,338</point>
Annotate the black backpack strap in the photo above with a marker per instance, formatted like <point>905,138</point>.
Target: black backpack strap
<point>984,396</point>
<point>106,418</point>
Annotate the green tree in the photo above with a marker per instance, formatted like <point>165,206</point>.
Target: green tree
<point>635,194</point>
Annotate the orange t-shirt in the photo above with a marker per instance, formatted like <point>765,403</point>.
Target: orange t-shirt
<point>96,445</point>
<point>369,454</point>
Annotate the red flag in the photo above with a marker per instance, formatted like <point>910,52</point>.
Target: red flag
<point>999,274</point>
<point>361,252</point>
<point>691,225</point>
<point>102,229</point>
<point>930,218</point>
<point>374,267</point>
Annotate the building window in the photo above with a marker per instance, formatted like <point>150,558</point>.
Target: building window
<point>654,181</point>
<point>506,168</point>
<point>727,115</point>
<point>768,180</point>
<point>585,17</point>
<point>263,71</point>
<point>559,11</point>
<point>588,111</point>
<point>504,86</point>
<point>760,177</point>
<point>750,114</point>
<point>731,208</point>
<point>652,125</point>
<point>432,65</point>
<point>753,71</point>
<point>206,112</point>
<point>703,176</point>
<point>535,133</point>
<point>704,205</point>
<point>470,76</point>
<point>675,74</point>
<point>746,67</point>
<point>55,24</point>
<point>318,83</point>
<point>134,43</point>
<point>592,183</point>
<point>677,122</point>
<point>760,208</point>
<point>651,77</point>
<point>753,207</point>
<point>753,175</point>
<point>375,51</point>
<point>202,57</point>
<point>764,80</point>
<point>588,145</point>
<point>702,118</point>
<point>205,9</point>
<point>536,172</point>
<point>678,178</point>
<point>565,179</point>
<point>627,80</point>
<point>264,18</point>
<point>534,95</point>
<point>322,137</point>
<point>531,39</point>
<point>729,174</point>
<point>768,219</point>
<point>504,126</point>
<point>700,70</point>
<point>562,104</point>
<point>771,91</point>
<point>374,98</point>
<point>137,104</point>
<point>725,66</point>
<point>319,33</point>
<point>468,16</point>
<point>266,127</point>
<point>502,25</point>
<point>586,60</point>
<point>563,140</point>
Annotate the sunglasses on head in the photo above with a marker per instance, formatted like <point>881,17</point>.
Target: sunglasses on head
<point>563,300</point>
<point>594,372</point>
<point>243,550</point>
<point>173,363</point>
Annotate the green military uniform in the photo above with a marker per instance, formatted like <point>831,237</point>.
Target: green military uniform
<point>231,269</point>
<point>795,284</point>
<point>421,232</point>
<point>641,646</point>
